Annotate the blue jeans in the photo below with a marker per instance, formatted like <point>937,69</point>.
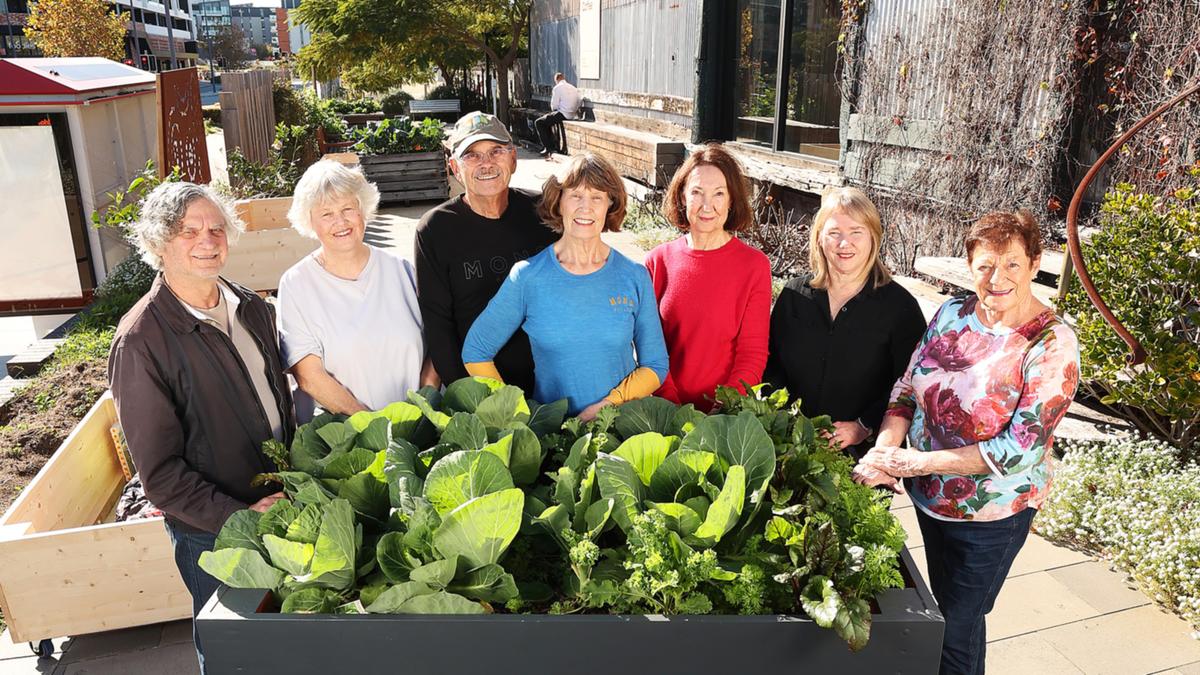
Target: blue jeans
<point>968,562</point>
<point>200,584</point>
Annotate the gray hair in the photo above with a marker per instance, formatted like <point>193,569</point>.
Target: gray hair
<point>162,217</point>
<point>324,180</point>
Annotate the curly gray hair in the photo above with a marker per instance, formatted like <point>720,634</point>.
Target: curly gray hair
<point>162,217</point>
<point>326,179</point>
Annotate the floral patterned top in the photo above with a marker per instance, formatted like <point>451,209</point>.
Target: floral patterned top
<point>1005,389</point>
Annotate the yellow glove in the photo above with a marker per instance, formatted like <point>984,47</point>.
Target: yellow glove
<point>639,384</point>
<point>484,369</point>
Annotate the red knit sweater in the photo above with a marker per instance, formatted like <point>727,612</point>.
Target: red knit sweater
<point>716,310</point>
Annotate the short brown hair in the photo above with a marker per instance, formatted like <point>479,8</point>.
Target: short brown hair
<point>593,171</point>
<point>711,154</point>
<point>998,228</point>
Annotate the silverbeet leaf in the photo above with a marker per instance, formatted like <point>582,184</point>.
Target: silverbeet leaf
<point>391,600</point>
<point>333,559</point>
<point>241,531</point>
<point>311,601</point>
<point>241,568</point>
<point>489,583</point>
<point>437,574</point>
<point>440,602</point>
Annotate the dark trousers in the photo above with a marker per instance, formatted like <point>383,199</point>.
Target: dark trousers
<point>200,584</point>
<point>968,562</point>
<point>545,131</point>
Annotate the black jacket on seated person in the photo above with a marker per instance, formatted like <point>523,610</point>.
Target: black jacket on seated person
<point>843,367</point>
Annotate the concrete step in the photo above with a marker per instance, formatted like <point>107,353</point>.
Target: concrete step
<point>29,361</point>
<point>954,271</point>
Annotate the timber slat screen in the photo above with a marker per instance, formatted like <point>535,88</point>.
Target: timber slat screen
<point>248,114</point>
<point>181,126</point>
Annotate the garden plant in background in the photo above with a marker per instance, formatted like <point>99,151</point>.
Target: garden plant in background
<point>477,500</point>
<point>1145,261</point>
<point>397,136</point>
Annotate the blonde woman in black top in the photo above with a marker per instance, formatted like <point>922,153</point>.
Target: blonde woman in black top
<point>841,336</point>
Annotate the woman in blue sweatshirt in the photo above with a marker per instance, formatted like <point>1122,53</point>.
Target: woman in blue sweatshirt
<point>589,311</point>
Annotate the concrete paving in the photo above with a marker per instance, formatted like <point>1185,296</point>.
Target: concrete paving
<point>1060,612</point>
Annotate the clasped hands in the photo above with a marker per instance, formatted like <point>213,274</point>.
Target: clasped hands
<point>885,465</point>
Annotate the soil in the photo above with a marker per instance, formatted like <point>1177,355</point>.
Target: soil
<point>34,423</point>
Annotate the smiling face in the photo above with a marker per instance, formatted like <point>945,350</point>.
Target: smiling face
<point>486,168</point>
<point>1003,276</point>
<point>198,252</point>
<point>338,223</point>
<point>847,245</point>
<point>706,199</point>
<point>584,210</point>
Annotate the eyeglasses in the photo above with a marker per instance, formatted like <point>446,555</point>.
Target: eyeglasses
<point>495,154</point>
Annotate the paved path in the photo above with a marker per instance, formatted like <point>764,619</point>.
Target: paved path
<point>1060,613</point>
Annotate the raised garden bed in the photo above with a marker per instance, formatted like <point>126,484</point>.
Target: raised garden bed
<point>242,633</point>
<point>408,177</point>
<point>65,567</point>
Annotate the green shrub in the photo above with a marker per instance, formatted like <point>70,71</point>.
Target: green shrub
<point>1135,502</point>
<point>125,206</point>
<point>395,105</point>
<point>469,99</point>
<point>128,281</point>
<point>320,113</point>
<point>289,109</point>
<point>251,180</point>
<point>1145,261</point>
<point>356,106</point>
<point>396,136</point>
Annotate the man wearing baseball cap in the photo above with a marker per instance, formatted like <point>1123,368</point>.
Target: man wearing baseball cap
<point>466,246</point>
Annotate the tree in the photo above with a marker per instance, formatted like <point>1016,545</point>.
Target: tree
<point>229,48</point>
<point>419,32</point>
<point>77,28</point>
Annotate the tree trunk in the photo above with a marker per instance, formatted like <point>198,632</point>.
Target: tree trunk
<point>502,66</point>
<point>447,75</point>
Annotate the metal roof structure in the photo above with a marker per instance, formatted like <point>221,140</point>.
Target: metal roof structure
<point>69,81</point>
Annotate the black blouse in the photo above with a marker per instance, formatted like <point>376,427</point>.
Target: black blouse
<point>846,367</point>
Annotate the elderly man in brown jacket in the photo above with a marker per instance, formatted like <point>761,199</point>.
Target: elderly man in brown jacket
<point>196,375</point>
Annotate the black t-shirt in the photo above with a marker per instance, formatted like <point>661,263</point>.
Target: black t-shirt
<point>844,368</point>
<point>462,258</point>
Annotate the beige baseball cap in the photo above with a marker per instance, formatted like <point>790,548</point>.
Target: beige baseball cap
<point>476,126</point>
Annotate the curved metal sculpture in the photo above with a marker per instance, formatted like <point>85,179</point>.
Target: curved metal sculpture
<point>1137,352</point>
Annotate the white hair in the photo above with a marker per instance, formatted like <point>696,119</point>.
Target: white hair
<point>327,179</point>
<point>162,216</point>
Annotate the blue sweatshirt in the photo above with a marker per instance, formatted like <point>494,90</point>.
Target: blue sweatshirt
<point>584,328</point>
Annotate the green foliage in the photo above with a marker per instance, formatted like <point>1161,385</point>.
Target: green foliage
<point>125,206</point>
<point>1133,502</point>
<point>1145,261</point>
<point>125,284</point>
<point>320,112</point>
<point>396,104</point>
<point>398,136</point>
<point>249,179</point>
<point>343,106</point>
<point>289,108</point>
<point>477,500</point>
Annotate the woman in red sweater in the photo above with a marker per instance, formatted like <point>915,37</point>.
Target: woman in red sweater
<point>714,292</point>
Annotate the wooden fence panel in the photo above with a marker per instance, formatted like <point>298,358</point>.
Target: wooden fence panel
<point>248,113</point>
<point>181,126</point>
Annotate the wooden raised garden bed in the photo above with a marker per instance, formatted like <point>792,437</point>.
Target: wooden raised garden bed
<point>409,177</point>
<point>242,634</point>
<point>65,567</point>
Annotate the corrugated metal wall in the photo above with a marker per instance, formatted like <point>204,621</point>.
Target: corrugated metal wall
<point>646,46</point>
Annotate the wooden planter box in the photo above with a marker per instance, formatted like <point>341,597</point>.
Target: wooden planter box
<point>407,178</point>
<point>65,567</point>
<point>268,247</point>
<point>239,636</point>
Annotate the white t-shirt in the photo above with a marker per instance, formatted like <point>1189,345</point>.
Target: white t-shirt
<point>367,332</point>
<point>566,99</point>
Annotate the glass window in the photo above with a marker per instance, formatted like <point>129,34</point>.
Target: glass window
<point>757,59</point>
<point>814,100</point>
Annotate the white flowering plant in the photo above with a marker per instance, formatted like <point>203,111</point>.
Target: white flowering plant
<point>1137,503</point>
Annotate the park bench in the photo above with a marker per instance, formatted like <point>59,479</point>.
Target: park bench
<point>434,107</point>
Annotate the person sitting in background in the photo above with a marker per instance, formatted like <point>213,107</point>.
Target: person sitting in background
<point>841,336</point>
<point>349,323</point>
<point>978,404</point>
<point>565,101</point>
<point>714,292</point>
<point>589,311</point>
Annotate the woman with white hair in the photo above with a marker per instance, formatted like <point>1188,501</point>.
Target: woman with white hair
<point>197,378</point>
<point>350,327</point>
<point>841,336</point>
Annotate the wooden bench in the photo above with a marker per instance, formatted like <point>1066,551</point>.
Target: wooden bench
<point>639,155</point>
<point>435,107</point>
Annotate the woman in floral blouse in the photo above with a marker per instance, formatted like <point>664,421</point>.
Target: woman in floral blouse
<point>987,385</point>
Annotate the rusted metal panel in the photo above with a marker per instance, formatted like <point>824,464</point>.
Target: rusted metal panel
<point>181,126</point>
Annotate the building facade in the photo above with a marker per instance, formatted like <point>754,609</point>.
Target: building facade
<point>257,25</point>
<point>298,35</point>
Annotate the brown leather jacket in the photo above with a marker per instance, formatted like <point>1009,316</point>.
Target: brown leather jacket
<point>192,420</point>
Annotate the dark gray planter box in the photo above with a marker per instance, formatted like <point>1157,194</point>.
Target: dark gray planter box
<point>906,637</point>
<point>407,178</point>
